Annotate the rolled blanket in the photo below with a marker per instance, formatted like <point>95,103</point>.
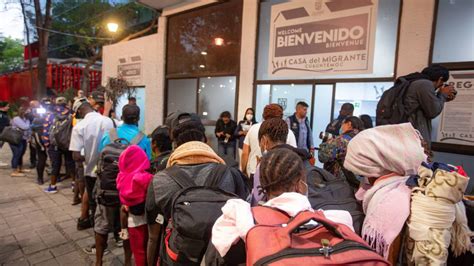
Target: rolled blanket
<point>438,218</point>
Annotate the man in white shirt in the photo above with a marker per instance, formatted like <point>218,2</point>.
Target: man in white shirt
<point>87,135</point>
<point>251,151</point>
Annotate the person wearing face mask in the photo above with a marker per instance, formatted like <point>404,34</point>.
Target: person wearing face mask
<point>243,127</point>
<point>333,152</point>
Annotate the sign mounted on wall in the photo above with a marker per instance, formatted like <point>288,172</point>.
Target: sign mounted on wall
<point>322,37</point>
<point>457,119</point>
<point>130,69</point>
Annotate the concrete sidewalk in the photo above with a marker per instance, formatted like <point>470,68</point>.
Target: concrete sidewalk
<point>37,228</point>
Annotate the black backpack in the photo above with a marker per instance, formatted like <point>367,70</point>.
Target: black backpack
<point>60,132</point>
<point>107,167</point>
<point>328,192</point>
<point>194,212</point>
<point>390,108</point>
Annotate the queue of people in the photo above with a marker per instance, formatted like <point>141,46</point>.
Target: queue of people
<point>170,199</point>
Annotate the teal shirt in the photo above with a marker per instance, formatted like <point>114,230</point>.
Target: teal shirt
<point>128,132</point>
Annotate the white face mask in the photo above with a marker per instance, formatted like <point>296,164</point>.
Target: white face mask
<point>249,117</point>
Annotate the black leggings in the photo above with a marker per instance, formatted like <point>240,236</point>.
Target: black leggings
<point>41,163</point>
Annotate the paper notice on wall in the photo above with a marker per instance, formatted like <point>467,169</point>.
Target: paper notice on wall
<point>322,37</point>
<point>457,119</point>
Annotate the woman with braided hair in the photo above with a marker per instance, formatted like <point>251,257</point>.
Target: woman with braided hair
<point>283,181</point>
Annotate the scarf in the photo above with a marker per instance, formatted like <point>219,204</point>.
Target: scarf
<point>438,217</point>
<point>393,152</point>
<point>386,207</point>
<point>193,152</point>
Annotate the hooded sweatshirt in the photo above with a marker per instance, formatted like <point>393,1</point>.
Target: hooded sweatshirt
<point>133,179</point>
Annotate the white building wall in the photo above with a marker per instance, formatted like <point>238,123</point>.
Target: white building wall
<point>248,52</point>
<point>415,35</point>
<point>145,47</point>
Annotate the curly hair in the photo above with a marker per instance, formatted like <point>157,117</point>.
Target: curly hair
<point>280,170</point>
<point>189,131</point>
<point>272,110</point>
<point>275,128</point>
<point>161,139</point>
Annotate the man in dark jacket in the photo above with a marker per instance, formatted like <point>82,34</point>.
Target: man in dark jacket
<point>425,98</point>
<point>198,161</point>
<point>4,122</point>
<point>299,124</point>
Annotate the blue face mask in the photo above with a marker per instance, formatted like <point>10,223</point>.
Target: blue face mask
<point>340,131</point>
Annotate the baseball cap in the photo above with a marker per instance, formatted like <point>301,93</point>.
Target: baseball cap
<point>130,111</point>
<point>78,103</point>
<point>98,96</point>
<point>61,101</point>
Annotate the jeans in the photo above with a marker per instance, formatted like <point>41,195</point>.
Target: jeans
<point>18,152</point>
<point>226,148</point>
<point>41,163</point>
<point>55,155</point>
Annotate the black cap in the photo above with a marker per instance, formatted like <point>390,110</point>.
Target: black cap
<point>130,111</point>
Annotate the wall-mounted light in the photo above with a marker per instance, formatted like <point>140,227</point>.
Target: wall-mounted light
<point>218,41</point>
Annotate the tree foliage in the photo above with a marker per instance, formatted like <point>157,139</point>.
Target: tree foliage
<point>87,22</point>
<point>11,54</point>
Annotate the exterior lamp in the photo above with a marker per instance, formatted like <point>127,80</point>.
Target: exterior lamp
<point>218,41</point>
<point>112,26</point>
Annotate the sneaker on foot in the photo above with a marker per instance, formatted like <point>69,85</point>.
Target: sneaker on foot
<point>51,189</point>
<point>92,250</point>
<point>119,242</point>
<point>17,174</point>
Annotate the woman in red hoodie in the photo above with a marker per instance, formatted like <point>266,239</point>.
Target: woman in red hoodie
<point>132,184</point>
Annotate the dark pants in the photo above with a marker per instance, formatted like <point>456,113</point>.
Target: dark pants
<point>33,153</point>
<point>90,183</point>
<point>55,155</point>
<point>226,148</point>
<point>41,163</point>
<point>18,152</point>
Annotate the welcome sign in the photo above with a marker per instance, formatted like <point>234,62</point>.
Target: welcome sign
<point>322,37</point>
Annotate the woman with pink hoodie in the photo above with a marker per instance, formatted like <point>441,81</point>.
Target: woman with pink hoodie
<point>132,184</point>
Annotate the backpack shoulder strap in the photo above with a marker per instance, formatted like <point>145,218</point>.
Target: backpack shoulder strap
<point>137,138</point>
<point>217,173</point>
<point>180,177</point>
<point>113,134</point>
<point>264,215</point>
